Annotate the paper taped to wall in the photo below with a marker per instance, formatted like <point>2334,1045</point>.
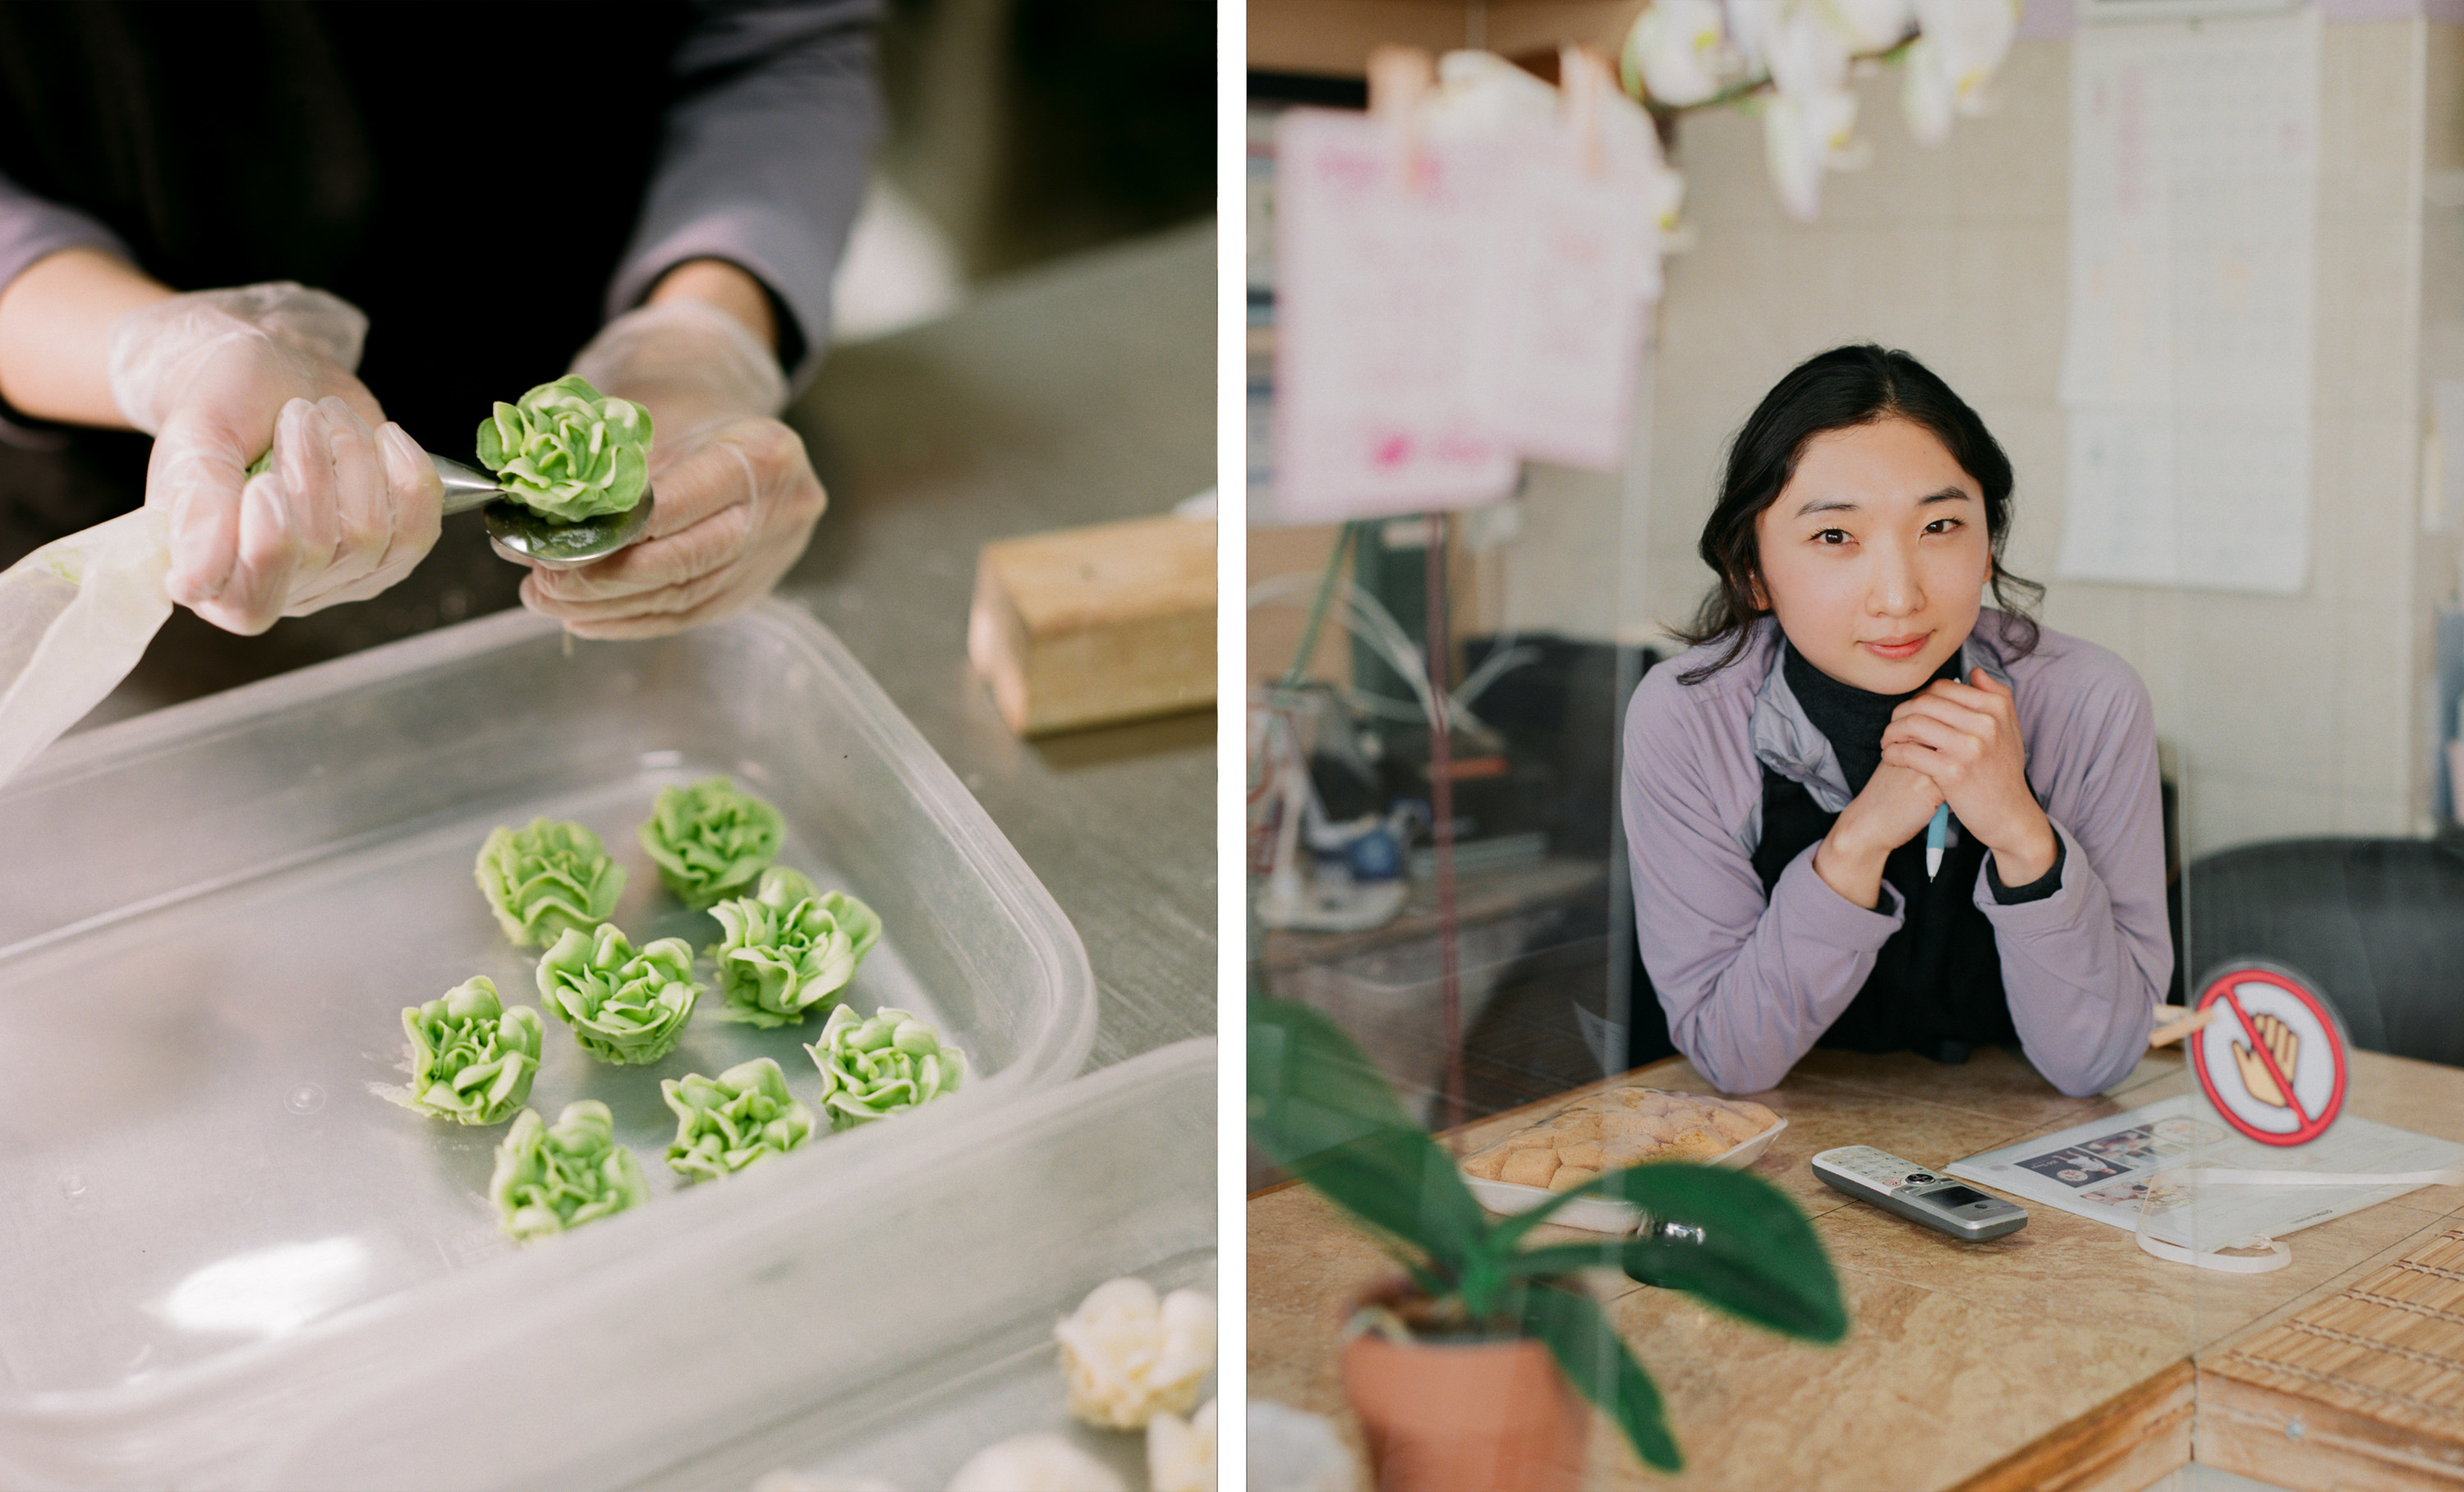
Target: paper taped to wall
<point>2193,247</point>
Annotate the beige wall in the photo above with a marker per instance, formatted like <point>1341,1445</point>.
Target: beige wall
<point>2290,714</point>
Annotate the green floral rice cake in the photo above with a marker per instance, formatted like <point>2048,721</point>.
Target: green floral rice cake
<point>877,1066</point>
<point>711,840</point>
<point>789,950</point>
<point>567,452</point>
<point>552,1178</point>
<point>726,1123</point>
<point>625,1006</point>
<point>471,1059</point>
<point>546,878</point>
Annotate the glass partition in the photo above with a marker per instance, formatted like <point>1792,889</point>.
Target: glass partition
<point>2175,978</point>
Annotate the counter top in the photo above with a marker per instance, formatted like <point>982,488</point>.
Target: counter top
<point>1076,393</point>
<point>2057,1355</point>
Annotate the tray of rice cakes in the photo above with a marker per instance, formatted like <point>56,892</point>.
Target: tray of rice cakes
<point>1610,1131</point>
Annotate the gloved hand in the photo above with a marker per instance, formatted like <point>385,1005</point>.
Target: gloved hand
<point>349,510</point>
<point>737,497</point>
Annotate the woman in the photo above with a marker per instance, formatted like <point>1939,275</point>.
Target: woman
<point>1846,681</point>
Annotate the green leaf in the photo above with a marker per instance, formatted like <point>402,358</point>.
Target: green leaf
<point>1732,1239</point>
<point>1596,1360</point>
<point>1564,1258</point>
<point>1319,1108</point>
<point>1511,1230</point>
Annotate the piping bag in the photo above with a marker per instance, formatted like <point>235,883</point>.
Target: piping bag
<point>74,617</point>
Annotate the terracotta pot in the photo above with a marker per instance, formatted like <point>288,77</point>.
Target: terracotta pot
<point>1476,1417</point>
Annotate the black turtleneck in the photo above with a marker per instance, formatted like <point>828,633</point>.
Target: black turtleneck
<point>1850,719</point>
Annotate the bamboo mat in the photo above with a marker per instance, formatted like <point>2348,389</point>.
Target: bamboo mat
<point>2389,1349</point>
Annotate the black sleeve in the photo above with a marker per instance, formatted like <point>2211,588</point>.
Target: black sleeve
<point>2037,890</point>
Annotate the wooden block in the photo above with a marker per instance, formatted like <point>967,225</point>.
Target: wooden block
<point>1092,625</point>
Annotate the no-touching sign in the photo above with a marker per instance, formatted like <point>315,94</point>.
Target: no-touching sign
<point>2270,1057</point>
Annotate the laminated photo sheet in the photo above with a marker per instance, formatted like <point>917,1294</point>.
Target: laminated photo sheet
<point>2102,1170</point>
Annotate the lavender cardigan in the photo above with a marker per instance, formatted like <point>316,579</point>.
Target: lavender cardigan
<point>1750,982</point>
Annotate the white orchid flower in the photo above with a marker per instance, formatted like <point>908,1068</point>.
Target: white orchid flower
<point>1973,37</point>
<point>1678,52</point>
<point>1807,53</point>
<point>1927,96</point>
<point>1802,134</point>
<point>1479,93</point>
<point>1750,25</point>
<point>1871,25</point>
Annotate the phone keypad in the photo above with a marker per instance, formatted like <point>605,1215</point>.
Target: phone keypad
<point>1880,1167</point>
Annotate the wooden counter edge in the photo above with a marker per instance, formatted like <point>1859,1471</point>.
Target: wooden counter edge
<point>2124,1444</point>
<point>2289,1441</point>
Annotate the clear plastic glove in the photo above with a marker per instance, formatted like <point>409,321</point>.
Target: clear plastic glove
<point>210,375</point>
<point>737,496</point>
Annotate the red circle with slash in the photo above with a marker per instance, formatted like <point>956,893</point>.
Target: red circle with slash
<point>2236,1026</point>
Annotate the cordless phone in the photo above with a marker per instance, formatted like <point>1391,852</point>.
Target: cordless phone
<point>1917,1193</point>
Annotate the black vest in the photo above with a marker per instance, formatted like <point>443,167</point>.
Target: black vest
<point>1937,982</point>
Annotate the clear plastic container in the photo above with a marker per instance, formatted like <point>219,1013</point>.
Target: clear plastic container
<point>1113,1174</point>
<point>210,918</point>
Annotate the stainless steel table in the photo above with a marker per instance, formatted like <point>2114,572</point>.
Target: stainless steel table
<point>1079,392</point>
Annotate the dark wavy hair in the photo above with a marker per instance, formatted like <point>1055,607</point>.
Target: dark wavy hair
<point>1830,391</point>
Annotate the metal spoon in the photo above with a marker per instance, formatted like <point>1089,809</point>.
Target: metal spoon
<point>522,535</point>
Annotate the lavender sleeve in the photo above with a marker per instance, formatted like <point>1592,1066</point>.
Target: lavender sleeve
<point>2084,967</point>
<point>763,160</point>
<point>35,227</point>
<point>1749,982</point>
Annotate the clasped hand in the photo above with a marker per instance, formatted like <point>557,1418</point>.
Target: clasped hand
<point>1954,743</point>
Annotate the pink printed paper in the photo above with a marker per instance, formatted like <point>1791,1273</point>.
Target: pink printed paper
<point>1381,247</point>
<point>1447,306</point>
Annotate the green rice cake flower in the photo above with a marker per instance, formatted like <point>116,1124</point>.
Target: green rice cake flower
<point>787,951</point>
<point>546,878</point>
<point>711,840</point>
<point>726,1123</point>
<point>881,1065</point>
<point>551,1177</point>
<point>625,1006</point>
<point>471,1059</point>
<point>567,452</point>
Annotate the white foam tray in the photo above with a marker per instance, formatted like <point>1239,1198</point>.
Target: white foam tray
<point>1596,1213</point>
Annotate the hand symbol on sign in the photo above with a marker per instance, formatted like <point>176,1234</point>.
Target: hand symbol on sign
<point>2283,1044</point>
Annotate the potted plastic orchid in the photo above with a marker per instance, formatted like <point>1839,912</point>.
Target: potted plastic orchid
<point>1465,1371</point>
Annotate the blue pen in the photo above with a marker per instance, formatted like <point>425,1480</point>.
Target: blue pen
<point>1935,832</point>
